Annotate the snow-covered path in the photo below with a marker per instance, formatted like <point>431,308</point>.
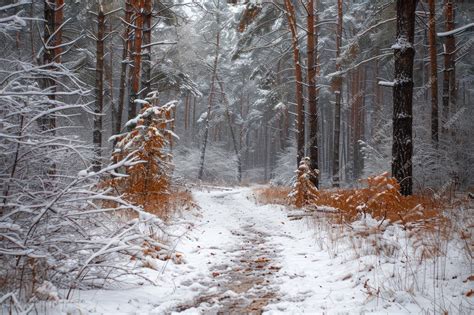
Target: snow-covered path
<point>244,258</point>
<point>251,258</point>
<point>241,260</point>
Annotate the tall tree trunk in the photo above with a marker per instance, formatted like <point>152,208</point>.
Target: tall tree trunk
<point>49,122</point>
<point>146,75</point>
<point>99,89</point>
<point>211,97</point>
<point>356,106</point>
<point>124,66</point>
<point>53,16</point>
<point>378,100</point>
<point>109,75</point>
<point>58,21</point>
<point>138,6</point>
<point>404,52</point>
<point>290,13</point>
<point>434,73</point>
<point>312,51</point>
<point>186,112</point>
<point>338,92</point>
<point>361,119</point>
<point>449,79</point>
<point>194,117</point>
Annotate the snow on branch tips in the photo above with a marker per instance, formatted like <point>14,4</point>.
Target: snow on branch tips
<point>457,31</point>
<point>60,226</point>
<point>304,192</point>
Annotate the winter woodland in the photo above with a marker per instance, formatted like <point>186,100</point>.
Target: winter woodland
<point>236,157</point>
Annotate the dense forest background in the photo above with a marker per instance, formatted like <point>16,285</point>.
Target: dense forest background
<point>248,78</point>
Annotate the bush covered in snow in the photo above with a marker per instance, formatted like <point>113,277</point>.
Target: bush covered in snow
<point>59,228</point>
<point>146,183</point>
<point>304,191</point>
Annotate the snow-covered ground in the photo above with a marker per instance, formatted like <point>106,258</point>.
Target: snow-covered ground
<point>241,257</point>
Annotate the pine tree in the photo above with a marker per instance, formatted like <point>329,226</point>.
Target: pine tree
<point>135,75</point>
<point>99,87</point>
<point>404,52</point>
<point>434,72</point>
<point>312,55</point>
<point>126,49</point>
<point>338,92</point>
<point>304,191</point>
<point>449,71</point>
<point>300,137</point>
<point>146,182</point>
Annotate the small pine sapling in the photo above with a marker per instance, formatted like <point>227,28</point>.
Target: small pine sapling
<point>147,183</point>
<point>304,191</point>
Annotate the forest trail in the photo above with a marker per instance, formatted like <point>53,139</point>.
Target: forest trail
<point>243,260</point>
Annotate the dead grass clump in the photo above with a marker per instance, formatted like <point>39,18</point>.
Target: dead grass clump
<point>273,195</point>
<point>163,205</point>
<point>177,200</point>
<point>382,200</point>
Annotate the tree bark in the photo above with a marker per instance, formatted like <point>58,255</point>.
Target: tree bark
<point>58,20</point>
<point>124,66</point>
<point>49,122</point>
<point>356,121</point>
<point>99,89</point>
<point>434,73</point>
<point>312,51</point>
<point>338,92</point>
<point>137,57</point>
<point>146,75</point>
<point>53,16</point>
<point>291,16</point>
<point>449,79</point>
<point>404,52</point>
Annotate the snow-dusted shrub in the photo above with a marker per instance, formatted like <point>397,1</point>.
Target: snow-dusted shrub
<point>304,191</point>
<point>381,199</point>
<point>147,182</point>
<point>220,165</point>
<point>57,229</point>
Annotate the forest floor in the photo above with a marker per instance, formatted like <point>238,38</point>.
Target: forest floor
<point>241,258</point>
